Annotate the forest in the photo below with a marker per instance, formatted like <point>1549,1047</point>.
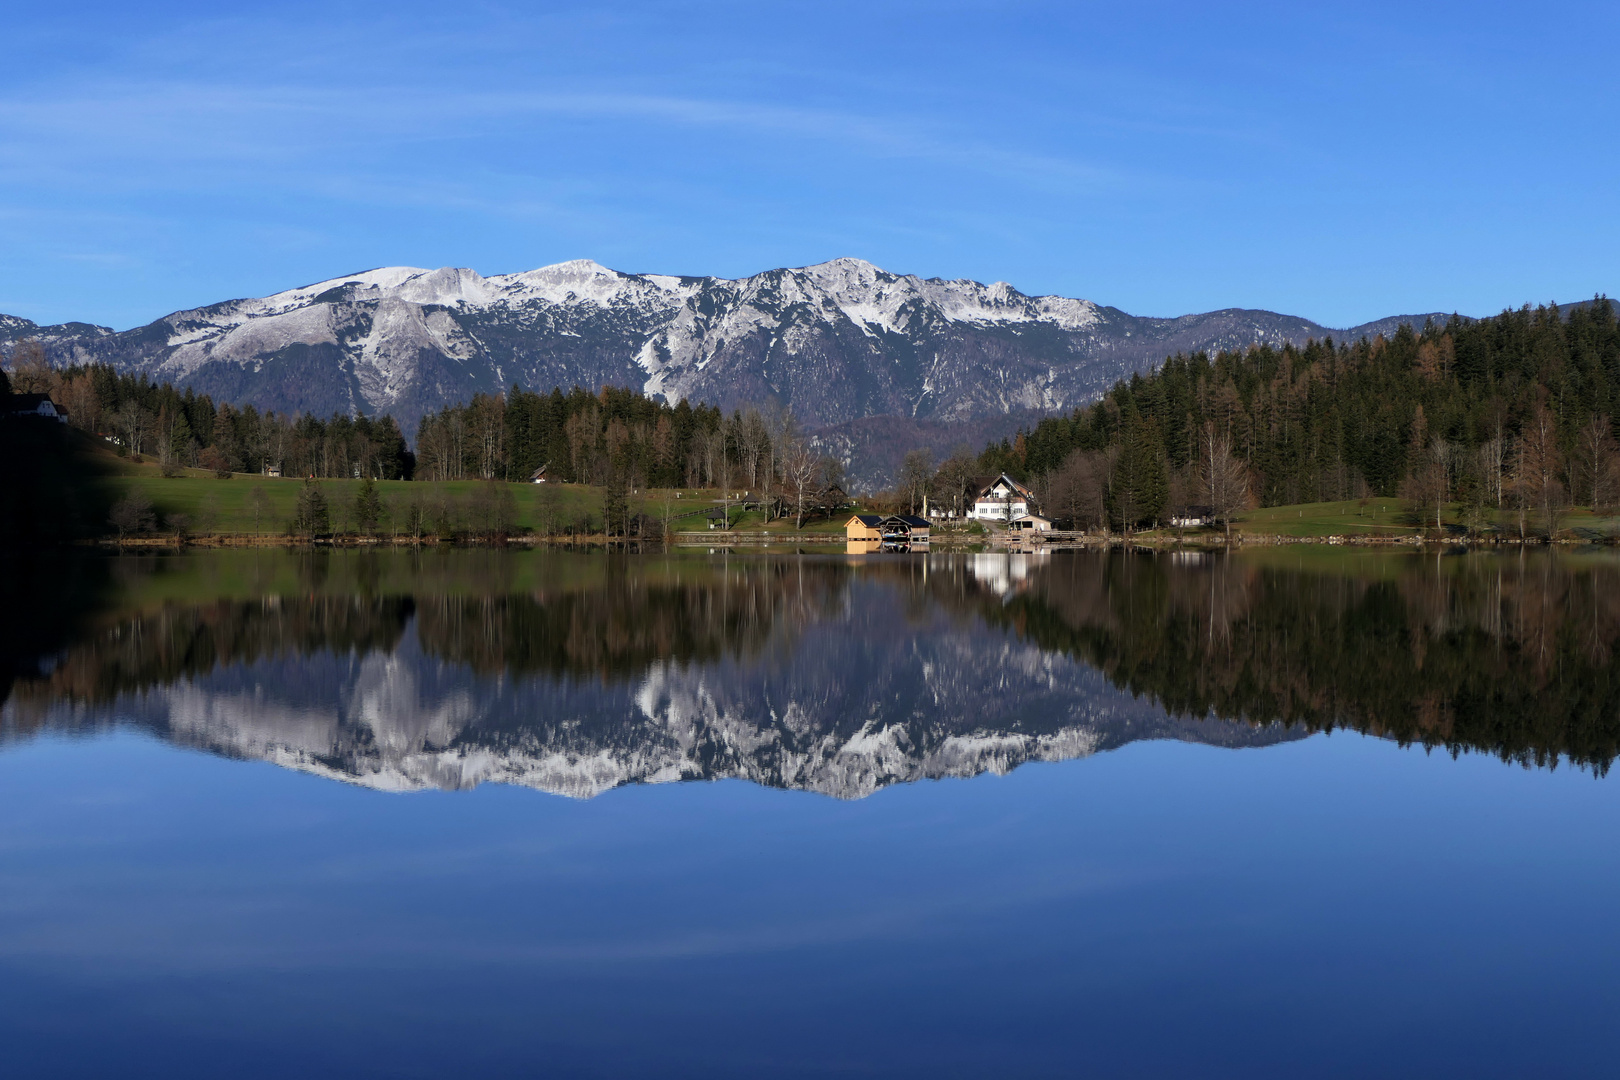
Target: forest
<point>615,435</point>
<point>588,438</point>
<point>1512,415</point>
<point>184,429</point>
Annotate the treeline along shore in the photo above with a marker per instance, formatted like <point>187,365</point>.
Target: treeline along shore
<point>1499,425</point>
<point>614,463</point>
<point>1484,430</point>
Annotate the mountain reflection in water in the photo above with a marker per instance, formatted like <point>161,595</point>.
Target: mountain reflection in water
<point>575,673</point>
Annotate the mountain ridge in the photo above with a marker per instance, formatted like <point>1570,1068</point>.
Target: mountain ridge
<point>836,342</point>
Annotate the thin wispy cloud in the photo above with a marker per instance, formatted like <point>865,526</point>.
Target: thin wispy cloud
<point>168,125</point>
<point>1165,159</point>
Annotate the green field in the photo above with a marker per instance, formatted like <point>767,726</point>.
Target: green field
<point>1375,517</point>
<point>211,506</point>
<point>1353,517</point>
<point>226,507</point>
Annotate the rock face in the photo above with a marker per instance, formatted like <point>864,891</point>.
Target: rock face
<point>836,342</point>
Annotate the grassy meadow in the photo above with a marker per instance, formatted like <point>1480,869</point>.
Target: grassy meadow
<point>1379,517</point>
<point>228,507</point>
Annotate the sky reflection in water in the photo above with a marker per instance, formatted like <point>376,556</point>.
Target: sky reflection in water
<point>1323,906</point>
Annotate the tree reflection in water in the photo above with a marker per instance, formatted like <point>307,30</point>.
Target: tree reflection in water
<point>1513,655</point>
<point>576,672</point>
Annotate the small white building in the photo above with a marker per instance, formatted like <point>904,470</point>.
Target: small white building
<point>1192,517</point>
<point>36,405</point>
<point>1000,498</point>
<point>538,476</point>
<point>1031,523</point>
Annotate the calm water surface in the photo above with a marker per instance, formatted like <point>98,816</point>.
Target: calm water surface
<point>583,814</point>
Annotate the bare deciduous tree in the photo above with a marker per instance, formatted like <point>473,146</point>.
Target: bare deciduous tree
<point>752,439</point>
<point>1536,481</point>
<point>1597,455</point>
<point>801,469</point>
<point>1429,485</point>
<point>259,502</point>
<point>1224,476</point>
<point>1078,490</point>
<point>952,479</point>
<point>134,424</point>
<point>916,474</point>
<point>31,372</point>
<point>489,435</point>
<point>132,514</point>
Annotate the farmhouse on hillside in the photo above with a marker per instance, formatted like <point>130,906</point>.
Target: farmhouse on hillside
<point>13,406</point>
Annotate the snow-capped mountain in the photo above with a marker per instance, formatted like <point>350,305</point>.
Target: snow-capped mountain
<point>835,342</point>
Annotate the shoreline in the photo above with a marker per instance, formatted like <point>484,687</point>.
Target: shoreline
<point>948,543</point>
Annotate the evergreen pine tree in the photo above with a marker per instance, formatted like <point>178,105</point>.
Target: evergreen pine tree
<point>312,517</point>
<point>368,508</point>
<point>616,502</point>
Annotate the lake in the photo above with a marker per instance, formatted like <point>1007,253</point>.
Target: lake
<point>1296,811</point>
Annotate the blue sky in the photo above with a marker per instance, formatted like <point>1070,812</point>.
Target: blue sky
<point>1341,162</point>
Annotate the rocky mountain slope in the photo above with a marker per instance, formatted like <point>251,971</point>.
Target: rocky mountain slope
<point>837,342</point>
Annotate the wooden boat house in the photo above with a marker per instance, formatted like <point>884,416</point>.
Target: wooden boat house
<point>887,528</point>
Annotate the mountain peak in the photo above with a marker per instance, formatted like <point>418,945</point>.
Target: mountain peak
<point>576,268</point>
<point>846,264</point>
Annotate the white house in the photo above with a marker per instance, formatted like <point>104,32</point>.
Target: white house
<point>1192,517</point>
<point>1000,498</point>
<point>40,405</point>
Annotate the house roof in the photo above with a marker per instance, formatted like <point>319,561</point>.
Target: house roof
<point>25,402</point>
<point>984,483</point>
<point>872,521</point>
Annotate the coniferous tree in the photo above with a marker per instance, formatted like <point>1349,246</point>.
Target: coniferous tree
<point>615,504</point>
<point>312,517</point>
<point>368,508</point>
<point>1140,486</point>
